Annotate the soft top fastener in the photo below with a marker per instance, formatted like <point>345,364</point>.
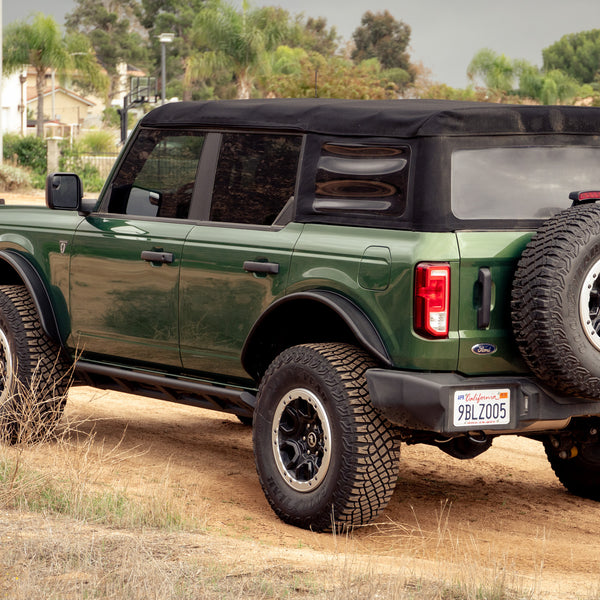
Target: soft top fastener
<point>586,197</point>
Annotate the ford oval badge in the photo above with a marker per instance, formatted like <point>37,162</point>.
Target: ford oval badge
<point>483,349</point>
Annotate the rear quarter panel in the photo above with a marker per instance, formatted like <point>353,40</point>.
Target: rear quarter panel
<point>375,269</point>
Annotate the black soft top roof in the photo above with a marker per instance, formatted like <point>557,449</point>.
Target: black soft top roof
<point>398,118</point>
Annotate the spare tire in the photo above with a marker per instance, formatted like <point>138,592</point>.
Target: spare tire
<point>556,302</point>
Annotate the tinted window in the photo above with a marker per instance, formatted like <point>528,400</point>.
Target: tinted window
<point>520,183</point>
<point>361,178</point>
<point>255,178</point>
<point>157,177</point>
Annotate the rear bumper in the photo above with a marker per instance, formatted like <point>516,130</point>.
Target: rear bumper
<point>425,402</point>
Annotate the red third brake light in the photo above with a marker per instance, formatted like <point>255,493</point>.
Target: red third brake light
<point>432,299</point>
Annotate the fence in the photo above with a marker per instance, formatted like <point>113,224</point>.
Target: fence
<point>102,162</point>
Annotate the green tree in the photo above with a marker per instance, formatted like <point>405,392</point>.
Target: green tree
<point>577,54</point>
<point>300,74</point>
<point>551,87</point>
<point>497,71</point>
<point>383,37</point>
<point>113,29</point>
<point>235,41</point>
<point>39,42</point>
<point>499,74</point>
<point>172,16</point>
<point>312,34</point>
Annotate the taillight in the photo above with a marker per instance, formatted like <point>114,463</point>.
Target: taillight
<point>432,299</point>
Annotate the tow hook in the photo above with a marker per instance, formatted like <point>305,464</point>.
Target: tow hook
<point>564,446</point>
<point>566,455</point>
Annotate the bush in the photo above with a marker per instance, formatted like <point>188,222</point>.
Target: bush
<point>29,151</point>
<point>111,118</point>
<point>98,142</point>
<point>14,178</point>
<point>70,161</point>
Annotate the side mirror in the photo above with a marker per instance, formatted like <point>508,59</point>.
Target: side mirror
<point>64,191</point>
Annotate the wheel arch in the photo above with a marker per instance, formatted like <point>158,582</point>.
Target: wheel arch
<point>312,316</point>
<point>17,270</point>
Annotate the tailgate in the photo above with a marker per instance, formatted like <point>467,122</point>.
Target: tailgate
<point>488,260</point>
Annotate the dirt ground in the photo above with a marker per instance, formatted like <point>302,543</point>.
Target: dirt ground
<point>504,510</point>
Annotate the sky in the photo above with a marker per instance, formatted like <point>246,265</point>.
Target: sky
<point>446,34</point>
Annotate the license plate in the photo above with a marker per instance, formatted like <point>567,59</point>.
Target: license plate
<point>478,408</point>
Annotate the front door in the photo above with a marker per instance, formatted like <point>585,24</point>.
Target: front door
<point>125,259</point>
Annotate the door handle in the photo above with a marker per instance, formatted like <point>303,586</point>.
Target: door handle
<point>157,257</point>
<point>484,312</point>
<point>255,266</point>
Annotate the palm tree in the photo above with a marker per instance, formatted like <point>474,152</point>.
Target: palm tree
<point>235,41</point>
<point>40,43</point>
<point>497,70</point>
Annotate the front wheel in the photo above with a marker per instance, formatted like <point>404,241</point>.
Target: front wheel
<point>33,374</point>
<point>325,457</point>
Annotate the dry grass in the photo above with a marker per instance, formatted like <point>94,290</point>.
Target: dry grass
<point>63,538</point>
<point>67,559</point>
<point>64,535</point>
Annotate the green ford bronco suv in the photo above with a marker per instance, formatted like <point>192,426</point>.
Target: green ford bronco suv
<point>344,275</point>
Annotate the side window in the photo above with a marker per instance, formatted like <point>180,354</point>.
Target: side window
<point>361,179</point>
<point>255,178</point>
<point>158,174</point>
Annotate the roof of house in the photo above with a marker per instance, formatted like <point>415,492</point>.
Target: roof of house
<point>32,95</point>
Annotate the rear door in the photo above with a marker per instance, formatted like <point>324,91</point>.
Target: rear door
<point>236,261</point>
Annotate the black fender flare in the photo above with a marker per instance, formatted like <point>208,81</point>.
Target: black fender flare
<point>36,287</point>
<point>354,318</point>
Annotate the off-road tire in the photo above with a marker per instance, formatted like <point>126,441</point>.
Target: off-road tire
<point>553,284</point>
<point>579,471</point>
<point>319,392</point>
<point>33,374</point>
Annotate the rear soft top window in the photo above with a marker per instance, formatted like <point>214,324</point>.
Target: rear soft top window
<point>520,182</point>
<point>361,179</point>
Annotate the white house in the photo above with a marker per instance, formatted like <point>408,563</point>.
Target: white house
<point>14,113</point>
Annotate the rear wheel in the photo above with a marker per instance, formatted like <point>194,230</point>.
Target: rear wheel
<point>33,375</point>
<point>574,455</point>
<point>325,457</point>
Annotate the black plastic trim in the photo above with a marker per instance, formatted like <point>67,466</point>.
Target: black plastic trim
<point>484,311</point>
<point>423,401</point>
<point>357,322</point>
<point>37,290</point>
<point>200,394</point>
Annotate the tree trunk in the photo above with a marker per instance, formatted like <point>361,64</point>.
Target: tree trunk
<point>244,85</point>
<point>40,82</point>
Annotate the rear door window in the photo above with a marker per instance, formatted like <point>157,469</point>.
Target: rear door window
<point>255,178</point>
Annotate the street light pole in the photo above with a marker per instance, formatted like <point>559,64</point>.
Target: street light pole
<point>164,39</point>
